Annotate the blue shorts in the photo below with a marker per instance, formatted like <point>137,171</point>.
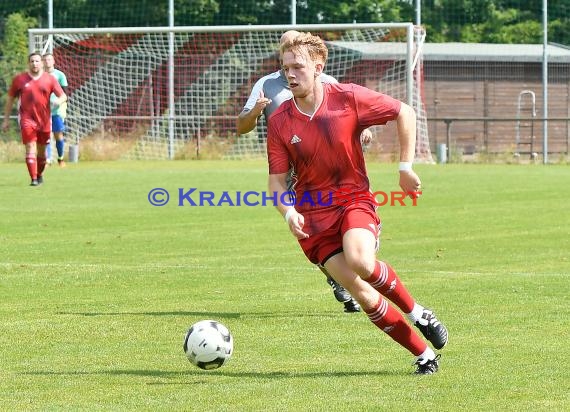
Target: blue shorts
<point>57,124</point>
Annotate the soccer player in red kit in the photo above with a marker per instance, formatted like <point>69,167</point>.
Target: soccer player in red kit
<point>318,132</point>
<point>33,89</point>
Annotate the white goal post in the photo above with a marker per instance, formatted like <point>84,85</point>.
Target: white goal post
<point>175,92</point>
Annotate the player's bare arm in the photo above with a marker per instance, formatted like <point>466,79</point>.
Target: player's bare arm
<point>7,111</point>
<point>60,100</point>
<point>406,124</point>
<point>247,119</point>
<point>278,184</point>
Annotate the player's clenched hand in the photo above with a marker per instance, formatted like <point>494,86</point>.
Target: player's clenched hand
<point>296,221</point>
<point>410,183</point>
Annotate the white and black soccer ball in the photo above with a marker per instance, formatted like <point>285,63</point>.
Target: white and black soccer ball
<point>208,344</point>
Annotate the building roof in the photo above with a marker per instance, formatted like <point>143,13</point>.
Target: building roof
<point>495,52</point>
<point>484,52</point>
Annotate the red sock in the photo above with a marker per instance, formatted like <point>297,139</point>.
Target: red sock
<point>385,281</point>
<point>32,165</point>
<point>41,164</point>
<point>391,321</point>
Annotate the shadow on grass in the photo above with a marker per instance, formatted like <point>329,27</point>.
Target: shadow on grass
<point>226,315</point>
<point>218,372</point>
<point>216,315</point>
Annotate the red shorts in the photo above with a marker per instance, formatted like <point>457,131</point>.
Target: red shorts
<point>31,134</point>
<point>322,245</point>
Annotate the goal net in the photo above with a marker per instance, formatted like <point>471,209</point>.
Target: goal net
<point>175,93</point>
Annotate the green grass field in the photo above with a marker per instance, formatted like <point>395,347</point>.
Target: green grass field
<point>98,287</point>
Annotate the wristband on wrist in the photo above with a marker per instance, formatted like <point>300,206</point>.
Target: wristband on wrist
<point>288,214</point>
<point>405,166</point>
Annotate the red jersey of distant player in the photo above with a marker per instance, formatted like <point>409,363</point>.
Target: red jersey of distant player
<point>34,108</point>
<point>325,148</point>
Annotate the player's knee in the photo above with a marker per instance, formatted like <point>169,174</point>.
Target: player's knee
<point>367,297</point>
<point>361,263</point>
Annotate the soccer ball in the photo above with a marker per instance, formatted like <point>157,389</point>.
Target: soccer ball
<point>208,344</point>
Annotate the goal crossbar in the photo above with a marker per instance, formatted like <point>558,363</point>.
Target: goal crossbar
<point>172,44</point>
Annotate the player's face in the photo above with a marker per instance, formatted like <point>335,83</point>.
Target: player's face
<point>49,62</point>
<point>35,64</point>
<point>300,71</point>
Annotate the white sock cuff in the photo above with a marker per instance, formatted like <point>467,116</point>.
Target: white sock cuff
<point>426,355</point>
<point>416,313</point>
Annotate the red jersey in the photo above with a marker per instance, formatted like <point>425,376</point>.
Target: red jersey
<point>34,94</point>
<point>324,149</point>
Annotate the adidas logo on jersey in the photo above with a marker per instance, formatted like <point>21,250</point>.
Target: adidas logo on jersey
<point>295,139</point>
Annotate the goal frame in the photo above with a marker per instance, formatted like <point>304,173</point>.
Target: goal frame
<point>410,60</point>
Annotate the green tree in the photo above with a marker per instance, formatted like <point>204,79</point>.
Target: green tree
<point>14,46</point>
<point>36,8</point>
<point>502,26</point>
<point>241,13</point>
<point>558,31</point>
<point>360,11</point>
<point>196,12</point>
<point>493,21</point>
<point>14,50</point>
<point>445,20</point>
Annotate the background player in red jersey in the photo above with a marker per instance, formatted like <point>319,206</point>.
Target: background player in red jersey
<point>33,89</point>
<point>318,132</point>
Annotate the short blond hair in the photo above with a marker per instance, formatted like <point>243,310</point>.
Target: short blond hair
<point>288,35</point>
<point>314,46</point>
